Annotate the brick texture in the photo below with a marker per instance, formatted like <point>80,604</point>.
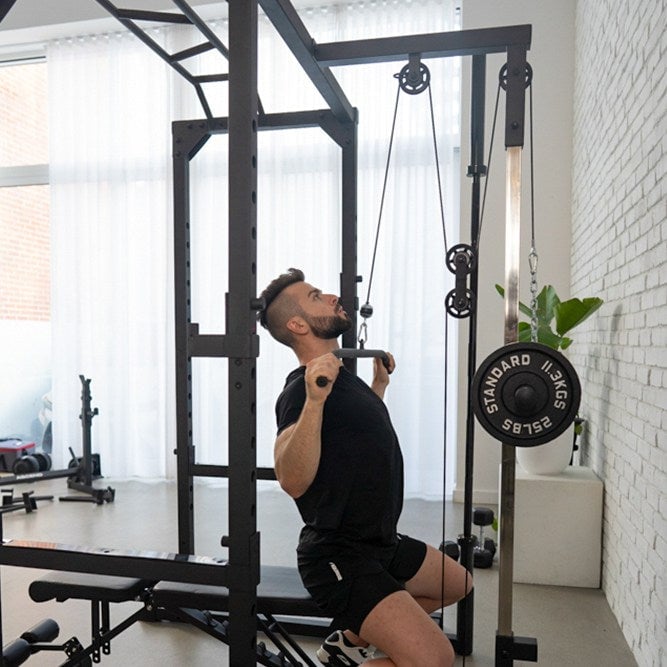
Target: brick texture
<point>619,252</point>
<point>25,249</point>
<point>24,211</point>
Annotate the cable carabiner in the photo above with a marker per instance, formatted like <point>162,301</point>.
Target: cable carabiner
<point>362,337</point>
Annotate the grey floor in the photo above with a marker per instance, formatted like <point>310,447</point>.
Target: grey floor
<point>573,626</point>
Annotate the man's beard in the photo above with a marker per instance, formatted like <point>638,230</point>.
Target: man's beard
<point>329,327</point>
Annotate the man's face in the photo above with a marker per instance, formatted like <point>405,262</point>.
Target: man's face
<point>322,312</point>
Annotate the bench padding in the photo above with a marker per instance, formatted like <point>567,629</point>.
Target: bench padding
<point>280,592</point>
<point>63,586</point>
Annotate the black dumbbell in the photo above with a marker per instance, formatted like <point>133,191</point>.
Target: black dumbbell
<point>485,549</point>
<point>450,548</point>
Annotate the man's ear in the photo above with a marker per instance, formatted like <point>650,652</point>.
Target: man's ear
<point>297,325</point>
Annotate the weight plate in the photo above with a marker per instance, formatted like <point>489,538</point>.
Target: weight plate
<point>25,465</point>
<point>44,461</point>
<point>525,394</point>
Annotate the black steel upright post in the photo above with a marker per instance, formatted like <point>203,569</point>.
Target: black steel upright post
<point>348,277</point>
<point>187,139</point>
<point>183,365</point>
<point>476,170</point>
<point>241,336</point>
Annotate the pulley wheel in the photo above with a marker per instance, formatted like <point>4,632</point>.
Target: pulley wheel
<point>460,305</point>
<point>460,256</point>
<point>525,394</point>
<point>413,82</point>
<point>503,74</point>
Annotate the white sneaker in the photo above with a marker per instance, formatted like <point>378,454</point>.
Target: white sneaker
<point>338,651</point>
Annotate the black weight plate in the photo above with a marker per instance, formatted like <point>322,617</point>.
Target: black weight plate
<point>25,465</point>
<point>44,461</point>
<point>525,394</point>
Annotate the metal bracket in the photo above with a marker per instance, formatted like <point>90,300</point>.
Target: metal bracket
<point>510,648</point>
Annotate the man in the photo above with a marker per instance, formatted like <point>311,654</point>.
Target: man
<point>338,456</point>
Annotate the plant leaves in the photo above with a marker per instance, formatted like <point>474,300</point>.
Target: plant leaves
<point>545,335</point>
<point>572,312</point>
<point>547,300</point>
<point>568,315</point>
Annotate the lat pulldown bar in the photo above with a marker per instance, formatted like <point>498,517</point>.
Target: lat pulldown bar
<point>353,353</point>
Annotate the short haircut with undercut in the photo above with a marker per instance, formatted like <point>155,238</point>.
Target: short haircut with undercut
<point>279,307</point>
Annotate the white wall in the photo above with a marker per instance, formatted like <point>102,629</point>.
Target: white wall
<point>552,58</point>
<point>619,251</point>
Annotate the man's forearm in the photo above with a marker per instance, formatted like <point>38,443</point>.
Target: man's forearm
<point>379,388</point>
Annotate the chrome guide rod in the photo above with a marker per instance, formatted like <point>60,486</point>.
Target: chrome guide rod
<point>508,463</point>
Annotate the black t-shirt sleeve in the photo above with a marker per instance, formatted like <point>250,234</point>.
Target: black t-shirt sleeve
<point>290,402</point>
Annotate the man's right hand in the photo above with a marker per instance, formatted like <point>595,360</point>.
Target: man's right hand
<point>327,366</point>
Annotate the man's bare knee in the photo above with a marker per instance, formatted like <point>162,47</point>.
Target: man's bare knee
<point>440,655</point>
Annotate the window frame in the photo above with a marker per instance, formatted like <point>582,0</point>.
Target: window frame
<point>30,174</point>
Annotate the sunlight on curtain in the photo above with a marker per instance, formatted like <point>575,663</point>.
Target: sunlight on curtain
<point>112,257</point>
<point>298,225</point>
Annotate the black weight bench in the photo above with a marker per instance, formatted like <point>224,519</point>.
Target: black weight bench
<point>280,592</point>
<point>101,591</point>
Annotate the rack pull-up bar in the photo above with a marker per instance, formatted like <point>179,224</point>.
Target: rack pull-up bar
<point>188,16</point>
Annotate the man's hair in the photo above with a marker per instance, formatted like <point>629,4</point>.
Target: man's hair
<point>278,307</point>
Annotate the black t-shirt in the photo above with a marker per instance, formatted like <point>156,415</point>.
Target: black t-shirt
<point>356,497</point>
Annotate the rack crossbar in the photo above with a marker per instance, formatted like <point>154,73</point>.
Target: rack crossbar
<point>152,565</point>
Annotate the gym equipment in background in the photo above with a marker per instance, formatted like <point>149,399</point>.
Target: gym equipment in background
<point>36,466</point>
<point>40,638</point>
<point>88,466</point>
<point>27,501</point>
<point>485,549</point>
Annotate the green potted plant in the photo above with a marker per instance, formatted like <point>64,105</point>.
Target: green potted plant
<point>555,319</point>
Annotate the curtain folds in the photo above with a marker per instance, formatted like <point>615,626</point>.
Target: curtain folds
<point>112,101</point>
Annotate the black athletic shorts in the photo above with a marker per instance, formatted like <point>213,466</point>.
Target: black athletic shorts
<point>347,586</point>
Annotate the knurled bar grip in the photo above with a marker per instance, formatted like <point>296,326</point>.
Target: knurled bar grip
<point>354,353</point>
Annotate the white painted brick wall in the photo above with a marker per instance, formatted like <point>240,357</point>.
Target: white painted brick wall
<point>619,252</point>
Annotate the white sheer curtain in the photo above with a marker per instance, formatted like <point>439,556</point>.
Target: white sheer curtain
<point>111,250</point>
<point>299,225</point>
